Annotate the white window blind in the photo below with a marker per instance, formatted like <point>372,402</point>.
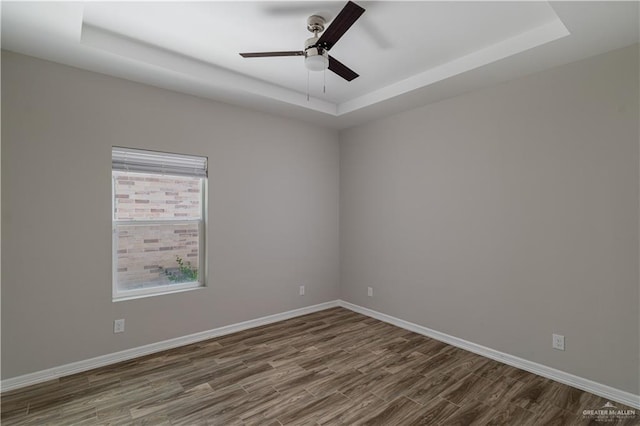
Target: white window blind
<point>141,161</point>
<point>159,222</point>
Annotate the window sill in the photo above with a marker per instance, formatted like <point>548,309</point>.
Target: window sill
<point>163,293</point>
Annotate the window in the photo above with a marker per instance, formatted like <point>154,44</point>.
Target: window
<point>158,222</point>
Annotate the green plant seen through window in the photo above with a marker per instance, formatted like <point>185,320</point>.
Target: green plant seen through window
<point>184,273</point>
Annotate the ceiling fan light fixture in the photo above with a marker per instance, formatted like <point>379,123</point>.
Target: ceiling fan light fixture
<point>317,62</point>
<point>315,57</point>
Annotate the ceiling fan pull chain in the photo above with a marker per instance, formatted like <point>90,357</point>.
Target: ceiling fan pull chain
<point>324,81</point>
<point>308,72</point>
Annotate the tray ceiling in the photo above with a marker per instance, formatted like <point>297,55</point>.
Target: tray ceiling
<point>400,49</point>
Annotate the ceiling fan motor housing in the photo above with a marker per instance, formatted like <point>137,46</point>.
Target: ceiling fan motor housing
<point>315,24</point>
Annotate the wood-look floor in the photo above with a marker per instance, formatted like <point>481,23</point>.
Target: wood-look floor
<point>331,367</point>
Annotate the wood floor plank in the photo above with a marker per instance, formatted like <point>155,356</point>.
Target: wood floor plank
<point>509,414</point>
<point>428,388</point>
<point>302,381</point>
<point>553,416</point>
<point>465,389</point>
<point>270,410</point>
<point>231,412</point>
<point>207,371</point>
<point>366,383</point>
<point>495,393</point>
<point>532,395</point>
<point>441,361</point>
<point>330,384</point>
<point>358,407</point>
<point>379,362</point>
<point>400,411</point>
<point>435,412</point>
<point>396,385</point>
<point>16,408</point>
<point>333,367</point>
<point>405,361</point>
<point>471,413</point>
<point>313,411</point>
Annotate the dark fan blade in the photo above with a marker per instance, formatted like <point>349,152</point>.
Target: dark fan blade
<point>269,54</point>
<point>345,19</point>
<point>341,69</point>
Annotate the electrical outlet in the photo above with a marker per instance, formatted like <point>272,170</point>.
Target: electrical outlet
<point>118,326</point>
<point>558,342</point>
<point>370,291</point>
<point>301,290</point>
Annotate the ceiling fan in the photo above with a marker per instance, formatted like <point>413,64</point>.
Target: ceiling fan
<point>316,56</point>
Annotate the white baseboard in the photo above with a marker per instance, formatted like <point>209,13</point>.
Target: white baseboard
<point>604,391</point>
<point>587,385</point>
<point>103,360</point>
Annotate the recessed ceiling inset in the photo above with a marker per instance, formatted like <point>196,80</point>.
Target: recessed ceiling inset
<point>404,52</point>
<point>433,41</point>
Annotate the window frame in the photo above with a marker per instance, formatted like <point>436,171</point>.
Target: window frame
<point>121,295</point>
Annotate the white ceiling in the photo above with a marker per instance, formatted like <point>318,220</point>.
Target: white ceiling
<point>407,53</point>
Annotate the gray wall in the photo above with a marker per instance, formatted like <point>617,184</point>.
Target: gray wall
<point>500,216</point>
<point>273,209</point>
<point>505,215</point>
